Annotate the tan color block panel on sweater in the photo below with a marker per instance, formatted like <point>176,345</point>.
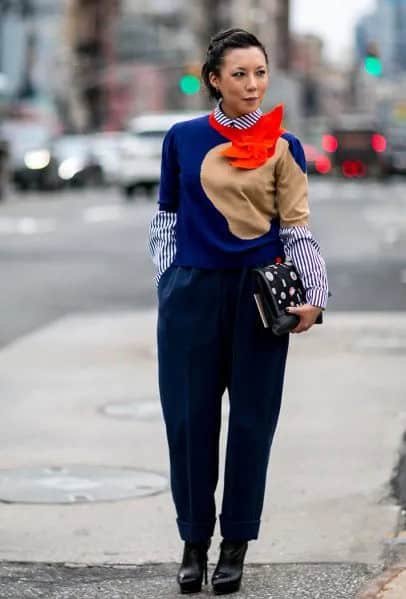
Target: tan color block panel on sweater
<point>250,199</point>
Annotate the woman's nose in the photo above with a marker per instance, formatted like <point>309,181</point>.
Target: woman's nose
<point>251,82</point>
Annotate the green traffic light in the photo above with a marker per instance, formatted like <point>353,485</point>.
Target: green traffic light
<point>189,84</point>
<point>373,66</point>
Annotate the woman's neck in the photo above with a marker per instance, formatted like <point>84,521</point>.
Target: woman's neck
<point>229,113</point>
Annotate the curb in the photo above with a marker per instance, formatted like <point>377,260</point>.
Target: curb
<point>378,585</point>
<point>394,554</point>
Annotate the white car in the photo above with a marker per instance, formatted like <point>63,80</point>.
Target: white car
<point>106,149</point>
<point>140,151</point>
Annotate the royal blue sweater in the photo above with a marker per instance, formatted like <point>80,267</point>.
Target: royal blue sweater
<point>227,217</point>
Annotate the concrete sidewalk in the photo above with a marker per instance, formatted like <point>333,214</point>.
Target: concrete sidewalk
<point>83,392</point>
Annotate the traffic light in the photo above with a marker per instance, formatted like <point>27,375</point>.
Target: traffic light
<point>189,82</point>
<point>372,61</point>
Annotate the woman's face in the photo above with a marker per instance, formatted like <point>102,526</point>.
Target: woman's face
<point>242,81</point>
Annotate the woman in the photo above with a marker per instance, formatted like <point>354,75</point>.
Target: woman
<point>233,195</point>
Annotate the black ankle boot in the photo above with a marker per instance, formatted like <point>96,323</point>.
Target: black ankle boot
<point>228,573</point>
<point>194,565</point>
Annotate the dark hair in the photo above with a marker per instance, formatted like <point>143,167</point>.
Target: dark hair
<point>218,46</point>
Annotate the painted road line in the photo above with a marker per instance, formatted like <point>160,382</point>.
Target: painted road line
<point>26,226</point>
<point>99,214</point>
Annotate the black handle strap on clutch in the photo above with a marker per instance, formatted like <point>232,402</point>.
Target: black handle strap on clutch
<point>278,286</point>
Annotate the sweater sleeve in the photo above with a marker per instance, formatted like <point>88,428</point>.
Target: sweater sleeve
<point>291,183</point>
<point>162,229</point>
<point>297,239</point>
<point>169,179</point>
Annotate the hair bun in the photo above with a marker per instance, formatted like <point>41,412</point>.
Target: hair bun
<point>221,37</point>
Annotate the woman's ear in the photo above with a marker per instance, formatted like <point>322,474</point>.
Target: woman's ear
<point>213,79</point>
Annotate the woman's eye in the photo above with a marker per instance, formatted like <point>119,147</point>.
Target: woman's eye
<point>261,73</point>
<point>238,74</point>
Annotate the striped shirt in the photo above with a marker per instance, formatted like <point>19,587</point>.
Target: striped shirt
<point>298,242</point>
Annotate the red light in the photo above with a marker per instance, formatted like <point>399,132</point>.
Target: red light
<point>353,168</point>
<point>329,143</point>
<point>323,165</point>
<point>378,142</point>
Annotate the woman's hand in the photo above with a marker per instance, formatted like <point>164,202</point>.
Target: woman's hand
<point>308,315</point>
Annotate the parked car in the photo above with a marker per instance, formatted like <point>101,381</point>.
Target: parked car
<point>140,150</point>
<point>356,147</point>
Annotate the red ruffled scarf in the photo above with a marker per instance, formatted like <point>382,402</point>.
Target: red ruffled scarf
<point>252,147</point>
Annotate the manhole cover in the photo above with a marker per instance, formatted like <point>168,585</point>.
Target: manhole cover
<point>139,410</point>
<point>78,484</point>
<point>393,343</point>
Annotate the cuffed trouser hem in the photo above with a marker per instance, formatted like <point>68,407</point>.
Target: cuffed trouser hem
<point>195,532</point>
<point>239,530</point>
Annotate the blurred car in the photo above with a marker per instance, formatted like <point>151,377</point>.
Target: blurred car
<point>31,161</point>
<point>396,151</point>
<point>77,164</point>
<point>356,147</point>
<point>106,149</point>
<point>317,161</point>
<point>140,150</point>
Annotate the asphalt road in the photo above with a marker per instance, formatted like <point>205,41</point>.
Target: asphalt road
<point>86,251</point>
<point>292,581</point>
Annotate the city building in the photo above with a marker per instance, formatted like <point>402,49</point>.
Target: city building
<point>148,47</point>
<point>124,57</point>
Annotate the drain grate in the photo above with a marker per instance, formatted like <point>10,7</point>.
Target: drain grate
<point>78,484</point>
<point>139,410</point>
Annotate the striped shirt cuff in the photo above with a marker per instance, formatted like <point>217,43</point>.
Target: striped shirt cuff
<point>162,241</point>
<point>304,252</point>
<point>317,297</point>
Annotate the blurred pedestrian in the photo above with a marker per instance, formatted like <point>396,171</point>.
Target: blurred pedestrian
<point>225,208</point>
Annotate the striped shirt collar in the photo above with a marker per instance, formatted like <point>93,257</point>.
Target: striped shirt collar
<point>240,122</point>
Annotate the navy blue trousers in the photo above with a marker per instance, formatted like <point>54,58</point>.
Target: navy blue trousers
<point>210,338</point>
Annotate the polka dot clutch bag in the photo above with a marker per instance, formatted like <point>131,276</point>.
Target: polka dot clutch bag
<point>278,286</point>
